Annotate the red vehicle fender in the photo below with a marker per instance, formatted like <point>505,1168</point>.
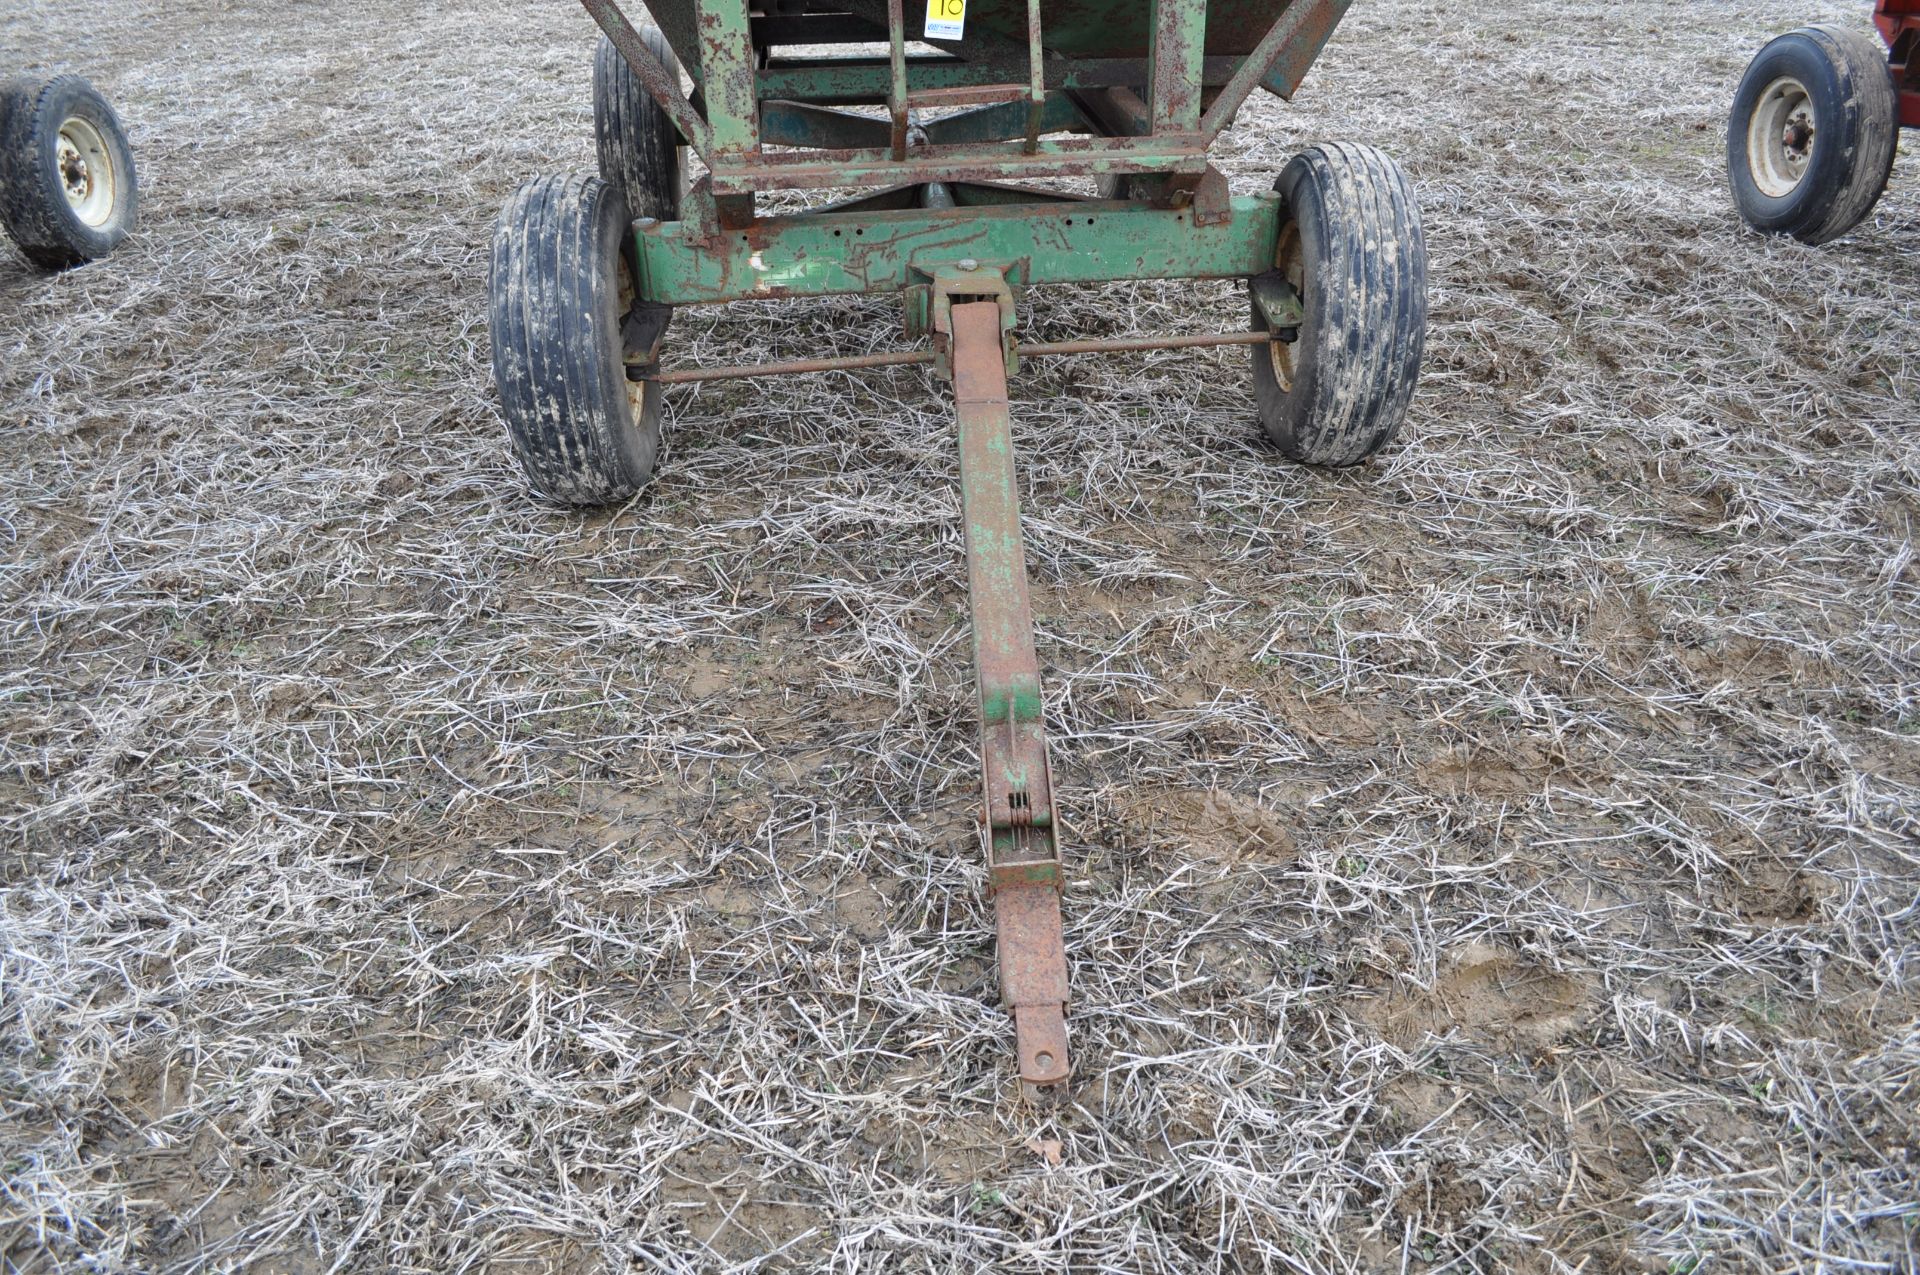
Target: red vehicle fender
<point>1899,23</point>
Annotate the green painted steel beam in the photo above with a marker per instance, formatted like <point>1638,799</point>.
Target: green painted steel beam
<point>1317,23</point>
<point>728,60</point>
<point>1174,64</point>
<point>1005,122</point>
<point>800,124</point>
<point>825,254</point>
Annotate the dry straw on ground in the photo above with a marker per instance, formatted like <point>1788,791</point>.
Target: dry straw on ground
<point>1500,858</point>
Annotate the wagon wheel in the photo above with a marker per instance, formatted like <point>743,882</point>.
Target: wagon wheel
<point>640,151</point>
<point>68,192</point>
<point>564,320</point>
<point>1120,186</point>
<point>1333,388</point>
<point>1124,185</point>
<point>1811,141</point>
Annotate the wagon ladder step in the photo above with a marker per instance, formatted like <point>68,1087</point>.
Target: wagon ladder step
<point>1024,868</point>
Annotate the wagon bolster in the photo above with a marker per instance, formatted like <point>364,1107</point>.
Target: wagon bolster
<point>891,250</point>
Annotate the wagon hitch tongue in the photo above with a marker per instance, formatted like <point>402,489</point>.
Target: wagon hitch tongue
<point>973,320</point>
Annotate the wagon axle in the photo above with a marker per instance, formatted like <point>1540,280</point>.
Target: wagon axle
<point>913,358</point>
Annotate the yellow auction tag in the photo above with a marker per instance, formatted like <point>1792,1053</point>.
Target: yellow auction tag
<point>946,19</point>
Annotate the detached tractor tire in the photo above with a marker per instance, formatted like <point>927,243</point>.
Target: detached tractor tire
<point>561,309</point>
<point>1811,139</point>
<point>640,151</point>
<point>1352,251</point>
<point>68,190</point>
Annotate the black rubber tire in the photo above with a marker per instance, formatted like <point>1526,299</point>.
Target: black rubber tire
<point>1118,186</point>
<point>33,186</point>
<point>1856,123</point>
<point>1122,185</point>
<point>558,298</point>
<point>640,152</point>
<point>1352,246</point>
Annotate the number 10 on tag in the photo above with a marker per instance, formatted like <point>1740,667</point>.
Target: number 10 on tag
<point>946,19</point>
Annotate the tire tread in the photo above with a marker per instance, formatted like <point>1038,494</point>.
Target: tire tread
<point>556,343</point>
<point>1360,351</point>
<point>638,146</point>
<point>1875,136</point>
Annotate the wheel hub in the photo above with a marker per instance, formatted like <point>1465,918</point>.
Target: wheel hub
<point>1799,138</point>
<point>1780,138</point>
<point>86,172</point>
<point>74,174</point>
<point>1291,261</point>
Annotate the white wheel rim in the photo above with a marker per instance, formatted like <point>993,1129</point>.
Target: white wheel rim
<point>87,176</point>
<point>1292,265</point>
<point>636,390</point>
<point>1780,138</point>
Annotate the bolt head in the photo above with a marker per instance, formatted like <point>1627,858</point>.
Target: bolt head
<point>968,263</point>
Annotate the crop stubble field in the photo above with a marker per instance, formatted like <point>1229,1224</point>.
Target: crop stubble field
<point>1499,857</point>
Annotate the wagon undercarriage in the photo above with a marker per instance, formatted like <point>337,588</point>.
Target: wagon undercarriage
<point>587,273</point>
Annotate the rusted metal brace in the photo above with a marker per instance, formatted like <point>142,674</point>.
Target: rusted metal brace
<point>913,358</point>
<point>1024,868</point>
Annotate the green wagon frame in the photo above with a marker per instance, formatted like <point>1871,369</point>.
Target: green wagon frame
<point>787,95</point>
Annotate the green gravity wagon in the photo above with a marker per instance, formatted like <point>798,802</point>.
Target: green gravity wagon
<point>973,149</point>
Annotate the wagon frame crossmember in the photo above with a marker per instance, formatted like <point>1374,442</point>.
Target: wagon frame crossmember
<point>1015,92</point>
<point>587,273</point>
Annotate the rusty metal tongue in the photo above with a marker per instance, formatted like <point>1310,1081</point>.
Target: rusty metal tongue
<point>1023,852</point>
<point>1033,980</point>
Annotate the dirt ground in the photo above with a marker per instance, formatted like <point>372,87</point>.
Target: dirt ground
<point>1501,857</point>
